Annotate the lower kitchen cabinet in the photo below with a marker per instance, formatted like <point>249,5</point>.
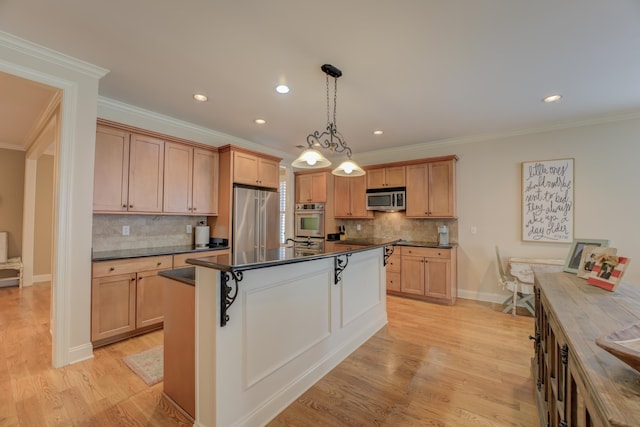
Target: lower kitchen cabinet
<point>425,273</point>
<point>393,271</point>
<point>127,297</point>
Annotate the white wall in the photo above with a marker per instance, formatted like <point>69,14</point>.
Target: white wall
<point>606,203</point>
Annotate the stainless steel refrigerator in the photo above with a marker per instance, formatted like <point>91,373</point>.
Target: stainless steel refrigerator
<point>256,225</point>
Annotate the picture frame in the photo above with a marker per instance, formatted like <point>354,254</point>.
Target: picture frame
<point>572,263</point>
<point>590,255</point>
<point>547,201</point>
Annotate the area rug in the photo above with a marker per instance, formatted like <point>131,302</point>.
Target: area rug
<point>148,365</point>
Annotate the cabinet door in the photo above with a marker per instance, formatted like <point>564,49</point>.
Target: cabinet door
<point>341,197</point>
<point>178,171</point>
<point>412,275</point>
<point>395,176</point>
<point>417,194</point>
<point>441,189</point>
<point>437,278</point>
<point>375,178</point>
<point>311,187</point>
<point>111,172</point>
<point>245,168</point>
<point>146,172</point>
<point>358,194</point>
<point>113,307</point>
<point>149,298</point>
<point>304,188</point>
<point>205,182</point>
<point>268,173</point>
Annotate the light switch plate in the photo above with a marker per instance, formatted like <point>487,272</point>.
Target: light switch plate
<point>125,230</point>
<point>189,228</point>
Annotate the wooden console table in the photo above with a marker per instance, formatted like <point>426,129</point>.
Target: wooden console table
<point>579,383</point>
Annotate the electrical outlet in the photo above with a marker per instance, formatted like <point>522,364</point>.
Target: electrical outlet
<point>474,230</point>
<point>358,227</point>
<point>125,230</point>
<point>189,228</point>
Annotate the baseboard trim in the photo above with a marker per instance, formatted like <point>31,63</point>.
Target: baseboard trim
<point>42,278</point>
<point>80,353</point>
<point>482,296</point>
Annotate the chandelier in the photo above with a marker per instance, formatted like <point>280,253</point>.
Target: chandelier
<point>330,139</point>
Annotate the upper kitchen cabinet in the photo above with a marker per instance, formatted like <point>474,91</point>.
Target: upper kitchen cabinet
<point>349,197</point>
<point>255,169</point>
<point>387,177</point>
<point>111,171</point>
<point>146,172</point>
<point>430,189</point>
<point>129,170</point>
<point>311,187</point>
<point>190,180</point>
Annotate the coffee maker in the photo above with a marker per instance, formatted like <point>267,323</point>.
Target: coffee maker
<point>443,235</point>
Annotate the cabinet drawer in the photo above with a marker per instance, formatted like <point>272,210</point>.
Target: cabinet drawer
<point>133,265</point>
<point>426,252</point>
<point>393,281</point>
<point>180,260</point>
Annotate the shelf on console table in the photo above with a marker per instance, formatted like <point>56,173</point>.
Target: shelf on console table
<point>590,387</point>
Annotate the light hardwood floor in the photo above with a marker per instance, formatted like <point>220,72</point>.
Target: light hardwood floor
<point>432,365</point>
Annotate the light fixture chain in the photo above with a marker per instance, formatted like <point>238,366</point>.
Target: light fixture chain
<point>335,101</point>
<point>328,117</point>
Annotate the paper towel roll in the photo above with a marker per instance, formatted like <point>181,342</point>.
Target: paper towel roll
<point>202,236</point>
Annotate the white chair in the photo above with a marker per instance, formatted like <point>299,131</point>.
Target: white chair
<point>522,294</point>
<point>10,263</point>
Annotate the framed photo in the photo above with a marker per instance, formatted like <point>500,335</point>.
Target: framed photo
<point>578,246</point>
<point>607,271</point>
<point>590,255</point>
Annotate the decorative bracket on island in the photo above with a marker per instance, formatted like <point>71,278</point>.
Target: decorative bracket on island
<point>388,251</point>
<point>228,293</point>
<point>338,266</point>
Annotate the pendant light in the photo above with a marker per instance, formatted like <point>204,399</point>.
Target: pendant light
<point>330,139</point>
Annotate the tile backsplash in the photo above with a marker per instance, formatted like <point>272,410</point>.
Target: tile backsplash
<point>395,225</point>
<point>145,231</point>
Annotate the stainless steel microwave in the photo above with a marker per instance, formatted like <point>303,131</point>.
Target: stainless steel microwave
<point>386,200</point>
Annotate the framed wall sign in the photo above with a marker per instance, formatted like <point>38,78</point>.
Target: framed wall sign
<point>547,201</point>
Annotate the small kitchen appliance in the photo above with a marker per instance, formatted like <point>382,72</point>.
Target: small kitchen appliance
<point>443,235</point>
<point>202,236</point>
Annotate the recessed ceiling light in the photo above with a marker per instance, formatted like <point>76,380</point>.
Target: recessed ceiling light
<point>260,121</point>
<point>378,132</point>
<point>200,97</point>
<point>552,98</point>
<point>282,89</point>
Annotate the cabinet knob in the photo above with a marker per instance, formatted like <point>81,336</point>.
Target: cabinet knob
<point>133,279</point>
<point>124,206</point>
<point>159,264</point>
<point>130,206</point>
<point>112,269</point>
<point>195,209</point>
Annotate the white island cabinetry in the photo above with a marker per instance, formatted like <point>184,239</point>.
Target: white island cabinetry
<point>288,326</point>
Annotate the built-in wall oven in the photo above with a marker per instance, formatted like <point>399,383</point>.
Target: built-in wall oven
<point>309,228</point>
<point>309,220</point>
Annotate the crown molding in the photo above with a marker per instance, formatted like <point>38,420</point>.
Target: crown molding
<point>218,138</point>
<point>49,55</point>
<point>489,137</point>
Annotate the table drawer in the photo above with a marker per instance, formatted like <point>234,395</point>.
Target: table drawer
<point>133,265</point>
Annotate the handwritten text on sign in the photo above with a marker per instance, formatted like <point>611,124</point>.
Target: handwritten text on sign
<point>547,201</point>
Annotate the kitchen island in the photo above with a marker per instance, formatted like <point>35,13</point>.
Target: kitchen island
<point>270,324</point>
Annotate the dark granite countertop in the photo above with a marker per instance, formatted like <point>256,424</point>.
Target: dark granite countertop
<point>400,242</point>
<point>281,256</point>
<point>145,252</point>
<point>185,275</point>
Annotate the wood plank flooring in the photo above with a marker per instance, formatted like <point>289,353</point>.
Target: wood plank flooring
<point>432,365</point>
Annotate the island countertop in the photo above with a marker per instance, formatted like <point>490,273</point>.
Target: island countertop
<point>250,260</point>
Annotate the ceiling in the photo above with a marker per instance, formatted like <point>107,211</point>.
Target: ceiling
<point>420,70</point>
